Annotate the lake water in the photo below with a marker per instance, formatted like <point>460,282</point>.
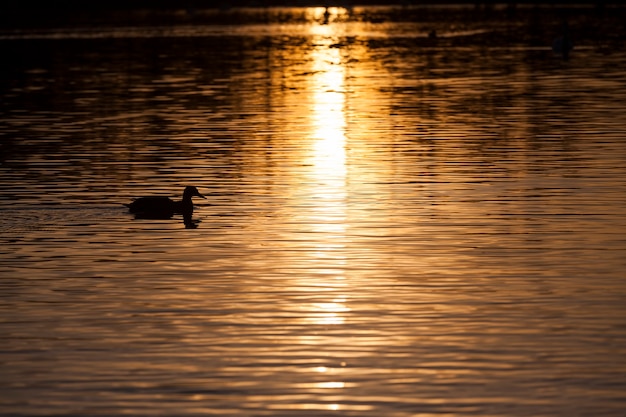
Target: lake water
<point>396,224</point>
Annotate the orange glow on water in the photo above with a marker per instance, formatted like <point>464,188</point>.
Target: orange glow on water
<point>389,229</point>
<point>327,156</point>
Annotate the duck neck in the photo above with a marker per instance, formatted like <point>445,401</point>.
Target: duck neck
<point>186,205</point>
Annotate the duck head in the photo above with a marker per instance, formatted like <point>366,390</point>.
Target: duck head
<point>191,191</point>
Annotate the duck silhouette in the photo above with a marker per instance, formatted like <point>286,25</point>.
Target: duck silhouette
<point>164,207</point>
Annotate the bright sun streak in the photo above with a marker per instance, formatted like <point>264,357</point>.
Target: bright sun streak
<point>326,176</point>
<point>329,142</point>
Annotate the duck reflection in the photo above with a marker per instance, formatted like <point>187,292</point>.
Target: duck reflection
<point>160,207</point>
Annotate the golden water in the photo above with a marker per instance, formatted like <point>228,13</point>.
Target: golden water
<point>393,228</point>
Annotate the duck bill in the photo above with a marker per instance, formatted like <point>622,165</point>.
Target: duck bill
<point>201,196</point>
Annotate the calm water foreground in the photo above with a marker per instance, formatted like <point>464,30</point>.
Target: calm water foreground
<point>396,225</point>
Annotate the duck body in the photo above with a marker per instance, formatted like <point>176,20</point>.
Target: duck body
<point>164,207</point>
<point>157,207</point>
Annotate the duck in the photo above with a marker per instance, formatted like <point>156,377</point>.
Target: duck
<point>164,207</point>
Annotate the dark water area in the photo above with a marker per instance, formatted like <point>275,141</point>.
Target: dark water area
<point>404,216</point>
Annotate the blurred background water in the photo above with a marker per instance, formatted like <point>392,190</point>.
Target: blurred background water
<point>411,211</point>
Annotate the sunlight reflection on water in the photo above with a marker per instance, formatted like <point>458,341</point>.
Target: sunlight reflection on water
<point>393,227</point>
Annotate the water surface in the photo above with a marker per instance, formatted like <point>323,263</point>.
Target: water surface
<point>396,225</point>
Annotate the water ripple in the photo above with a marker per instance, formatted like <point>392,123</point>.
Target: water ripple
<point>394,225</point>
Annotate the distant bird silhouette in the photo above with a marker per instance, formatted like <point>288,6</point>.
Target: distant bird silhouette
<point>164,207</point>
<point>563,45</point>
